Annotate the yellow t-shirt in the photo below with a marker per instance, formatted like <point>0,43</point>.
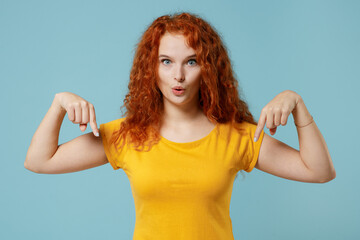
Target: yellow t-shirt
<point>183,190</point>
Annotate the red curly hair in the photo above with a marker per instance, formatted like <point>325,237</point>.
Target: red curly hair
<point>218,93</point>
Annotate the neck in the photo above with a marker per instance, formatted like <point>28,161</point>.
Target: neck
<point>174,114</point>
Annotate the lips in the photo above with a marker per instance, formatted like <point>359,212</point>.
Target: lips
<point>178,90</point>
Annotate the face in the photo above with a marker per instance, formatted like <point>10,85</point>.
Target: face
<point>179,73</point>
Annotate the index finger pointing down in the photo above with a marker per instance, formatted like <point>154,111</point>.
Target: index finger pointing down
<point>260,126</point>
<point>93,123</point>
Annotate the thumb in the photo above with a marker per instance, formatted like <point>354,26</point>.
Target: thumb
<point>273,130</point>
<point>83,127</point>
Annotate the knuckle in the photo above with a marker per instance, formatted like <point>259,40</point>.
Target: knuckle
<point>84,103</point>
<point>261,120</point>
<point>91,116</point>
<point>286,110</point>
<point>75,104</point>
<point>69,107</point>
<point>276,109</point>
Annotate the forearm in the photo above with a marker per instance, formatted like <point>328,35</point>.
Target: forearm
<point>312,146</point>
<point>45,140</point>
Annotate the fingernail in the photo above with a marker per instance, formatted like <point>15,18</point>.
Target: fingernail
<point>97,134</point>
<point>255,139</point>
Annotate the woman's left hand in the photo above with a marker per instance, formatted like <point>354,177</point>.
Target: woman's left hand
<point>277,111</point>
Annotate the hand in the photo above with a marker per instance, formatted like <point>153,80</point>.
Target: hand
<point>277,111</point>
<point>79,110</point>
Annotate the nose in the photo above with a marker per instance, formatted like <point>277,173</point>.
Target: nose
<point>179,74</point>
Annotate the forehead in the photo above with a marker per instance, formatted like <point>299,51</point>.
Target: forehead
<point>174,44</point>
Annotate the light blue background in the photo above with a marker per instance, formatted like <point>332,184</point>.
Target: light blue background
<point>86,47</point>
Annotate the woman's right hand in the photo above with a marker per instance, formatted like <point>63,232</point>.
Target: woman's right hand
<point>79,110</point>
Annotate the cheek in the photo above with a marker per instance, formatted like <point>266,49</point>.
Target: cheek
<point>162,81</point>
<point>163,74</point>
<point>197,78</point>
<point>161,77</point>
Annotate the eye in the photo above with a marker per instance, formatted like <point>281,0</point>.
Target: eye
<point>192,62</point>
<point>166,61</point>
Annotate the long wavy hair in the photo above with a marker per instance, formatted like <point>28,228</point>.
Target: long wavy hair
<point>218,94</point>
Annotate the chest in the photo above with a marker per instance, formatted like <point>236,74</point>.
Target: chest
<point>171,172</point>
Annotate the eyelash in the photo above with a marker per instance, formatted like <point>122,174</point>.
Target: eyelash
<point>163,60</point>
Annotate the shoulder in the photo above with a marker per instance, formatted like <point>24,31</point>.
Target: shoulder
<point>109,127</point>
<point>237,133</point>
<point>242,134</point>
<point>242,129</point>
<point>114,123</point>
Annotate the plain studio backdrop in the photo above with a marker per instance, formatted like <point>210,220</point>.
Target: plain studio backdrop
<point>87,47</point>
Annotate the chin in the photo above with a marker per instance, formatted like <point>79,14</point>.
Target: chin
<point>177,101</point>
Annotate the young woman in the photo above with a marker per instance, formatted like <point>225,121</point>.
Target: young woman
<point>185,134</point>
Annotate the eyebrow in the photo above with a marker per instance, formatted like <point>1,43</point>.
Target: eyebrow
<point>163,55</point>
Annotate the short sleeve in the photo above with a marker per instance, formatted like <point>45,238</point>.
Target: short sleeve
<point>114,156</point>
<point>249,150</point>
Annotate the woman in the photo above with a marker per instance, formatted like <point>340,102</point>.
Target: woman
<point>185,134</point>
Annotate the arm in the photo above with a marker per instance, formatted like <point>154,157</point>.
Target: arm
<point>86,151</point>
<point>312,163</point>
